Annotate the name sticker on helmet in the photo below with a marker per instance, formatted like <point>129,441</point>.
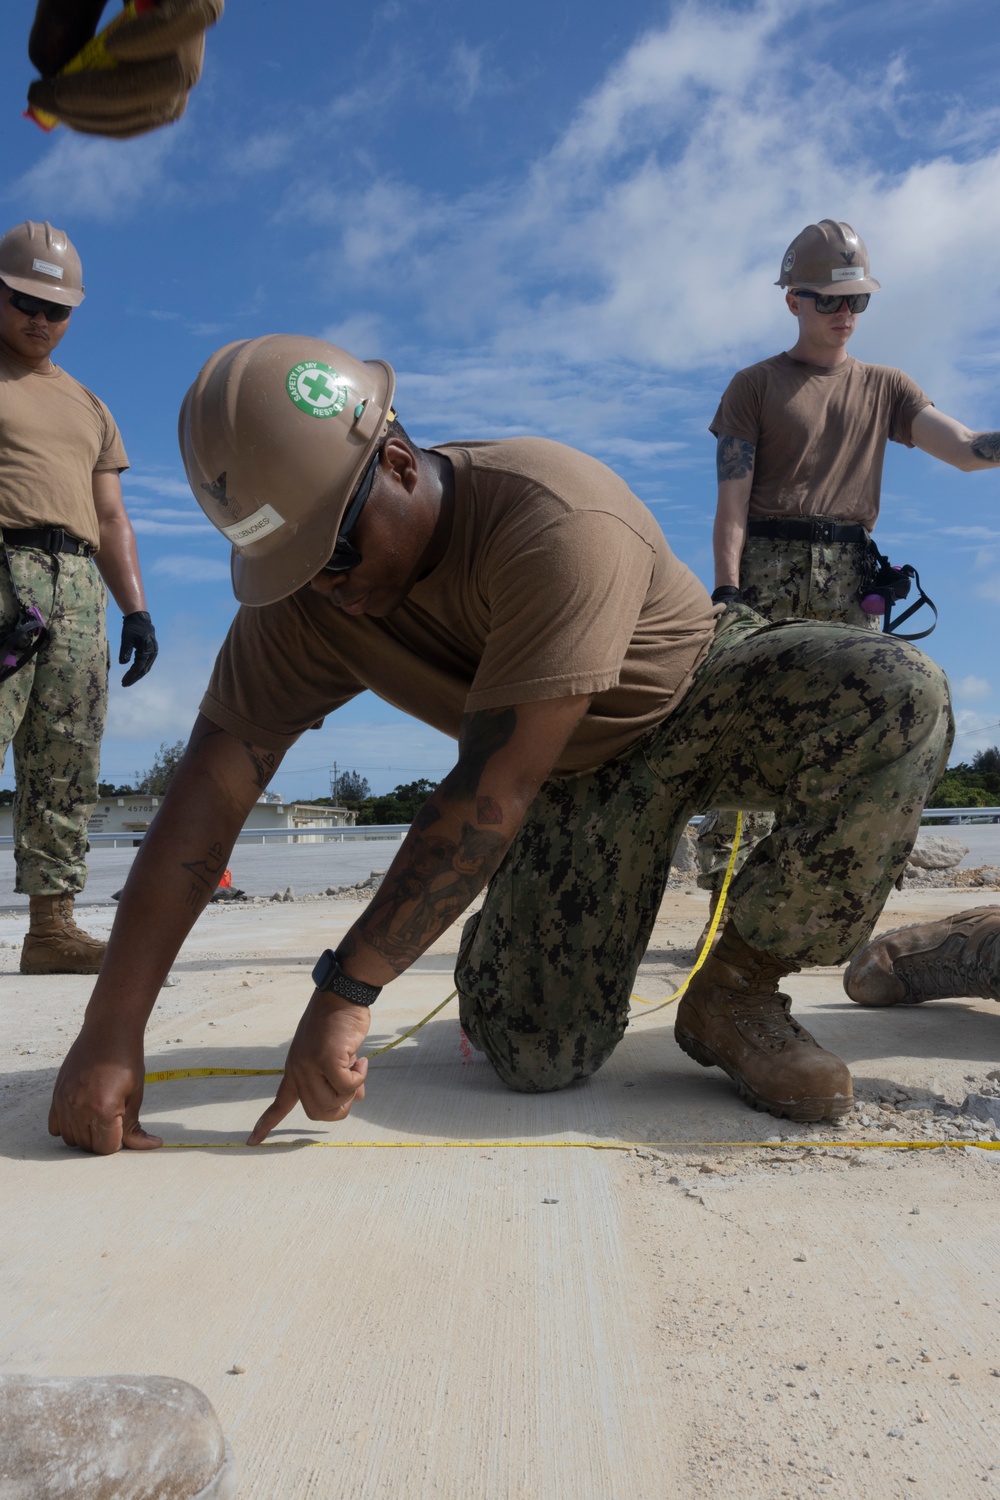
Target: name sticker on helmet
<point>254,527</point>
<point>847,273</point>
<point>317,389</point>
<point>48,268</point>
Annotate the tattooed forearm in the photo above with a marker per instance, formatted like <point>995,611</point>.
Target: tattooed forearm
<point>488,810</point>
<point>263,762</point>
<point>734,458</point>
<point>986,445</point>
<point>417,905</point>
<point>204,874</point>
<point>482,734</point>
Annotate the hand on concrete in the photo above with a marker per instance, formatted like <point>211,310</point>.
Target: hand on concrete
<point>96,1100</point>
<point>322,1069</point>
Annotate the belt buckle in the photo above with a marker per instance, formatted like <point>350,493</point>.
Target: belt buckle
<point>824,531</point>
<point>57,539</point>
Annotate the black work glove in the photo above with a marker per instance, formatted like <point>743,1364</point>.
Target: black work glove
<point>727,593</point>
<point>139,636</point>
<point>135,76</point>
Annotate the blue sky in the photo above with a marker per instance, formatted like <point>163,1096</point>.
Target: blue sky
<point>552,218</point>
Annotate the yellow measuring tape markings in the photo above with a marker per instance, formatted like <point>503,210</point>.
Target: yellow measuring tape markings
<point>588,1145</point>
<point>168,1074</point>
<point>713,928</point>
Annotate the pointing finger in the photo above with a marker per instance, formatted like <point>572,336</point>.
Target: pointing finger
<point>285,1101</point>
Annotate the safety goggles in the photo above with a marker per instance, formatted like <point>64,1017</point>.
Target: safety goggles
<point>54,312</point>
<point>831,302</point>
<point>345,556</point>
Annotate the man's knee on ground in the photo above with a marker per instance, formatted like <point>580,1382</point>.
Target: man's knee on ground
<point>534,1062</point>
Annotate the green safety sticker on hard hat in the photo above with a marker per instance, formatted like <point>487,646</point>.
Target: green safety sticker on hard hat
<point>316,388</point>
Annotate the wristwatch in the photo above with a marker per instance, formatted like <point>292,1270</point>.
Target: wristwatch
<point>330,977</point>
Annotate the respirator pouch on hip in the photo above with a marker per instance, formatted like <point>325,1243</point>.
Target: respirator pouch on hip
<point>26,636</point>
<point>884,585</point>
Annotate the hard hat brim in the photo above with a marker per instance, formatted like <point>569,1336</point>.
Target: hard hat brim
<point>824,288</point>
<point>48,291</point>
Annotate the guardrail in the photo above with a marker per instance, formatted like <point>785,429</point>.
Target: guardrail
<point>963,814</point>
<point>305,834</point>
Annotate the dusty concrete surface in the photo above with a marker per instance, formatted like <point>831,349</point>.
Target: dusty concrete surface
<point>426,1321</point>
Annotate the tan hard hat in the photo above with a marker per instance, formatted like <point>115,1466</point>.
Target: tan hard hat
<point>827,257</point>
<point>275,434</point>
<point>41,261</point>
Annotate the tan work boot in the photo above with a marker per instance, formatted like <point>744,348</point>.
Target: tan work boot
<point>144,1437</point>
<point>957,957</point>
<point>54,944</point>
<point>734,1017</point>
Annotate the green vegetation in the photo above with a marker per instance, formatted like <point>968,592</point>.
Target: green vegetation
<point>401,805</point>
<point>972,784</point>
<point>155,781</point>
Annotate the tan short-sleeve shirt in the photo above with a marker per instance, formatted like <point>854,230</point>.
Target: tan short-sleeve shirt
<point>54,436</point>
<point>819,434</point>
<point>556,581</point>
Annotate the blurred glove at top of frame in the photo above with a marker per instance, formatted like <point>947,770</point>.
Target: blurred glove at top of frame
<point>133,77</point>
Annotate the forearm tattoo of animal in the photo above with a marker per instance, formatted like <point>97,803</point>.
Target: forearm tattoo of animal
<point>443,874</point>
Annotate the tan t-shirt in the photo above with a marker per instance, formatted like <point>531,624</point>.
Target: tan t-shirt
<point>54,436</point>
<point>556,581</point>
<point>820,434</point>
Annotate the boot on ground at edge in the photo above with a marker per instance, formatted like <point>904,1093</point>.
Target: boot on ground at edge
<point>956,958</point>
<point>54,944</point>
<point>733,1017</point>
<point>135,1437</point>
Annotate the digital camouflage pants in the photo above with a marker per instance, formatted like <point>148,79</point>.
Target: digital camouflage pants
<point>53,712</point>
<point>783,581</point>
<point>843,732</point>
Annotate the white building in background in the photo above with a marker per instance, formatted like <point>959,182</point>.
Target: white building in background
<point>133,813</point>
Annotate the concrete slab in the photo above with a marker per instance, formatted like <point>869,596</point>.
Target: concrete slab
<point>421,1319</point>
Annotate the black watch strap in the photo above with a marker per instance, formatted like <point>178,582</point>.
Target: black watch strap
<point>330,977</point>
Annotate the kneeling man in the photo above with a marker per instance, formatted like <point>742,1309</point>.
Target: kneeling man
<point>516,595</point>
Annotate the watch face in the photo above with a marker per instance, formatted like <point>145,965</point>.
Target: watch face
<point>326,967</point>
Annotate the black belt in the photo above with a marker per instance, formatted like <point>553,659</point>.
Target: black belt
<point>812,530</point>
<point>47,539</point>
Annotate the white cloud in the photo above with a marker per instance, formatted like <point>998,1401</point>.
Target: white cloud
<point>973,690</point>
<point>187,568</point>
<point>649,237</point>
<point>990,590</point>
<point>159,484</point>
<point>97,179</point>
<point>143,527</point>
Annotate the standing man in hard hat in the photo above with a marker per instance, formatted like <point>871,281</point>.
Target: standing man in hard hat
<point>800,441</point>
<point>61,512</point>
<point>517,596</point>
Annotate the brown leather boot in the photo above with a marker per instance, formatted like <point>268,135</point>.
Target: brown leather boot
<point>734,1017</point>
<point>957,957</point>
<point>54,944</point>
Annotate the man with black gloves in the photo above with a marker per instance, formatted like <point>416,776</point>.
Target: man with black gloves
<point>801,439</point>
<point>61,512</point>
<point>135,76</point>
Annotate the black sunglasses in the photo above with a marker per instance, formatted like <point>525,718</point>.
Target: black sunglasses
<point>54,312</point>
<point>831,302</point>
<point>345,557</point>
